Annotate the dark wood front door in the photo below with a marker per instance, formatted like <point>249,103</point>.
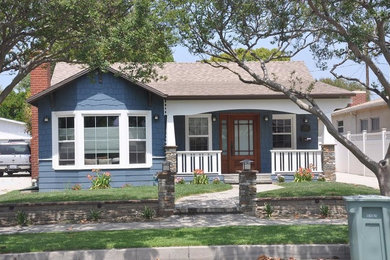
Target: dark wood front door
<point>239,139</point>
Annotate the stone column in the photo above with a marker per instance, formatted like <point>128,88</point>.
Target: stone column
<point>247,194</point>
<point>166,193</point>
<point>170,156</point>
<point>329,161</point>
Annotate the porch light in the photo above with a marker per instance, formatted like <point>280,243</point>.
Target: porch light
<point>246,164</point>
<point>214,118</point>
<point>166,166</point>
<point>305,120</point>
<point>156,117</point>
<point>266,118</point>
<point>46,119</point>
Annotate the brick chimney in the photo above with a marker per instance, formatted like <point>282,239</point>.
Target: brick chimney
<point>39,81</point>
<point>360,98</point>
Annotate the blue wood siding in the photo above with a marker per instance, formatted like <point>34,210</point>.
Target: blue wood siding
<point>180,129</point>
<point>313,133</point>
<point>90,93</point>
<point>50,180</point>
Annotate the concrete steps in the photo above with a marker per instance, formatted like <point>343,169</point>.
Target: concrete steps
<point>261,178</point>
<point>195,211</point>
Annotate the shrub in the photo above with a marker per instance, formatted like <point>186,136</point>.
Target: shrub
<point>216,180</point>
<point>148,213</point>
<point>180,180</point>
<point>280,178</point>
<point>321,177</point>
<point>21,218</point>
<point>100,181</point>
<point>303,174</point>
<point>94,215</point>
<point>200,177</point>
<point>324,211</point>
<point>76,187</point>
<point>268,209</point>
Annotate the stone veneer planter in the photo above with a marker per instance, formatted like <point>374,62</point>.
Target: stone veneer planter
<point>75,211</point>
<point>301,207</point>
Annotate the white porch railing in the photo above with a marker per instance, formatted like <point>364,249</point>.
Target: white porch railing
<point>208,161</point>
<point>289,161</point>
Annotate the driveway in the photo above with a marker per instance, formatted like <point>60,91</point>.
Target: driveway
<point>15,182</point>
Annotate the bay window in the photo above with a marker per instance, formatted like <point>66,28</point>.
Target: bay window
<point>94,139</point>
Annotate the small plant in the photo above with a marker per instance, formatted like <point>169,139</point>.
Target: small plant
<point>321,177</point>
<point>180,180</point>
<point>127,185</point>
<point>200,177</point>
<point>21,218</point>
<point>94,214</point>
<point>148,213</point>
<point>100,181</point>
<point>303,174</point>
<point>324,211</point>
<point>216,180</point>
<point>76,187</point>
<point>268,209</point>
<point>280,178</point>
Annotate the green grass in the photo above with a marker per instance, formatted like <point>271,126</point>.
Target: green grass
<point>235,235</point>
<point>305,189</point>
<point>128,193</point>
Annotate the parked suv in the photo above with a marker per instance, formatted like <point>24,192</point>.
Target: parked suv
<point>14,157</point>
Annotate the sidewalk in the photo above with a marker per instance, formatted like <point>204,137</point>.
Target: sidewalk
<point>208,220</point>
<point>357,179</point>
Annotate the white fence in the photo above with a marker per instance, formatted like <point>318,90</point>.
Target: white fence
<point>374,145</point>
<point>289,161</point>
<point>208,161</point>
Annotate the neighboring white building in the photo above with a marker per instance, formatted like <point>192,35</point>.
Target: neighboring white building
<point>13,130</point>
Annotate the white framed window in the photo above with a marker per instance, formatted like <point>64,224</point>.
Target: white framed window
<point>375,124</point>
<point>340,126</point>
<point>102,139</point>
<point>283,131</point>
<point>198,132</point>
<point>363,125</point>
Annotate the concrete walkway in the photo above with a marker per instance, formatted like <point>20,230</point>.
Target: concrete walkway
<point>224,199</point>
<point>357,179</point>
<point>208,220</point>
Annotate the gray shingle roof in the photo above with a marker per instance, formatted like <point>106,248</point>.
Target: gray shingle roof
<point>200,80</point>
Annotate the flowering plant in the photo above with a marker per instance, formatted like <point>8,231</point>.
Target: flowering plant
<point>100,181</point>
<point>303,174</point>
<point>180,180</point>
<point>216,180</point>
<point>200,177</point>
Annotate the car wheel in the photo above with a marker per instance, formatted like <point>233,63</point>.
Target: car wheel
<point>10,173</point>
<point>1,174</point>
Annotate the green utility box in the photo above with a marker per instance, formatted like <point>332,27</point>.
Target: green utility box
<point>369,227</point>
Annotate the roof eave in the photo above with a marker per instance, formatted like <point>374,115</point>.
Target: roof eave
<point>270,96</point>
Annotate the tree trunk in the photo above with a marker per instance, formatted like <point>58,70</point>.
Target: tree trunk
<point>384,174</point>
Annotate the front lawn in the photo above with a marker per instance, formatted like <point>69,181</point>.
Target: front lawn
<point>305,189</point>
<point>233,235</point>
<point>127,193</point>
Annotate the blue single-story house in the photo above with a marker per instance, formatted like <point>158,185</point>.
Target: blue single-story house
<point>205,116</point>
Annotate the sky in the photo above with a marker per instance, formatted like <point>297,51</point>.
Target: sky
<point>181,54</point>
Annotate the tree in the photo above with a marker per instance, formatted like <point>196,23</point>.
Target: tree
<point>353,31</point>
<point>263,53</point>
<point>346,84</point>
<point>93,32</point>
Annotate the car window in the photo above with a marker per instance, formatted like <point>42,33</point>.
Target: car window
<point>14,149</point>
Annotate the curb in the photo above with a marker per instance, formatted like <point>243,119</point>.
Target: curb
<point>232,252</point>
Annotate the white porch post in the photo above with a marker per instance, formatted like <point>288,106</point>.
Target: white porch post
<point>170,139</point>
<point>327,137</point>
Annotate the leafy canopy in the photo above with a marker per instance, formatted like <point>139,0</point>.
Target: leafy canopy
<point>92,32</point>
<point>262,53</point>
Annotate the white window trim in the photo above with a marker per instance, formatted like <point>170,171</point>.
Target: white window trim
<point>379,127</point>
<point>123,139</point>
<point>360,124</point>
<point>210,131</point>
<point>293,119</point>
<point>340,121</point>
